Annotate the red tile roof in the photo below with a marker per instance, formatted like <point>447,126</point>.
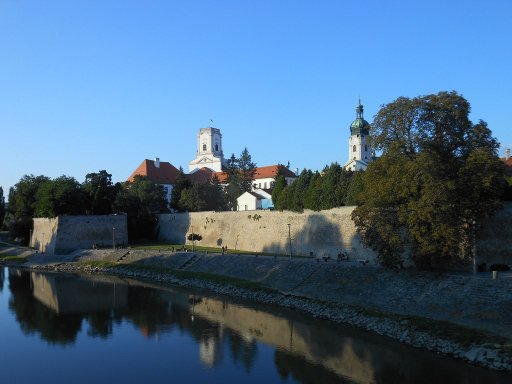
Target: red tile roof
<point>166,173</point>
<point>202,175</point>
<point>508,165</point>
<point>267,172</point>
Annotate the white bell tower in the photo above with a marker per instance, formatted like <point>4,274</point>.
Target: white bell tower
<point>359,151</point>
<point>209,151</point>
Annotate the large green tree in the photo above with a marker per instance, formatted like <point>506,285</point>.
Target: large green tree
<point>141,200</point>
<point>60,196</point>
<point>2,207</point>
<point>438,178</point>
<point>22,196</point>
<point>100,193</point>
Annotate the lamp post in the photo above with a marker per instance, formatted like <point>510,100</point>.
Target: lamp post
<point>290,240</point>
<point>114,238</point>
<point>30,239</point>
<point>474,246</point>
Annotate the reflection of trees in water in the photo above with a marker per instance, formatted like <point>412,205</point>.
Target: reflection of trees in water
<point>34,317</point>
<point>100,324</point>
<point>303,370</point>
<point>244,351</point>
<point>146,309</point>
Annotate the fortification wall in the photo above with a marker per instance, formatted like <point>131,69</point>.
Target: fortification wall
<point>316,234</point>
<point>65,234</point>
<point>322,233</point>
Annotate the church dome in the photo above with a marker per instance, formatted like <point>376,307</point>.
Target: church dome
<point>359,126</point>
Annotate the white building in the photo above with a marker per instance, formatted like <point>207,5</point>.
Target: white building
<point>359,151</point>
<point>253,200</point>
<point>209,152</point>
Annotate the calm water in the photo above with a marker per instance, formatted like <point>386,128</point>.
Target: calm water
<point>58,328</point>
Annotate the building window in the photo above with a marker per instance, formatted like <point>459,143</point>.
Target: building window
<point>259,185</point>
<point>354,148</point>
<point>365,147</point>
<point>216,147</point>
<point>272,184</point>
<point>265,185</point>
<point>204,147</point>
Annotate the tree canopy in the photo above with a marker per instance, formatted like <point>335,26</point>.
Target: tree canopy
<point>100,193</point>
<point>240,175</point>
<point>438,177</point>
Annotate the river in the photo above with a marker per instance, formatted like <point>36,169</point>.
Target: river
<point>61,328</point>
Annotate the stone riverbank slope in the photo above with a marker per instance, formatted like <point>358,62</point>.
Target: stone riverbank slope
<point>461,315</point>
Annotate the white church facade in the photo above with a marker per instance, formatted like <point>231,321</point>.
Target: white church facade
<point>359,151</point>
<point>209,152</point>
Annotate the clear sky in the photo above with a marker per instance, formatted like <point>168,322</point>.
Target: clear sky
<point>89,85</point>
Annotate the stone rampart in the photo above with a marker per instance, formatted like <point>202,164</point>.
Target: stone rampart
<point>316,234</point>
<point>65,234</point>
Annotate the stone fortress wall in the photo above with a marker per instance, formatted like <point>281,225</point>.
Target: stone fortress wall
<point>316,234</point>
<point>65,234</point>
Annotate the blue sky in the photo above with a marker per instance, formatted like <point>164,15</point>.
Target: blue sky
<point>89,85</point>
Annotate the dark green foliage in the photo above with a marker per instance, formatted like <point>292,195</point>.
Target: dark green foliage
<point>355,189</point>
<point>100,193</point>
<point>60,196</point>
<point>194,237</point>
<point>507,192</point>
<point>240,172</point>
<point>22,196</point>
<point>315,191</point>
<point>141,200</point>
<point>438,177</point>
<point>182,183</point>
<point>2,207</point>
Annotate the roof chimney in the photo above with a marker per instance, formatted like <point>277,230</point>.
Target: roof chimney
<point>507,154</point>
<point>297,171</point>
<point>157,162</point>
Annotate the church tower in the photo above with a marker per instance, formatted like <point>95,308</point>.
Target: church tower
<point>209,151</point>
<point>359,151</point>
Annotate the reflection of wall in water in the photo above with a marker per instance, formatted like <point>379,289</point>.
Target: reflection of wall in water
<point>71,294</point>
<point>344,355</point>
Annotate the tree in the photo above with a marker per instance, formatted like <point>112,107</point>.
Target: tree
<point>182,183</point>
<point>141,200</point>
<point>433,184</point>
<point>100,193</point>
<point>2,207</point>
<point>279,187</point>
<point>240,175</point>
<point>61,196</point>
<point>22,196</point>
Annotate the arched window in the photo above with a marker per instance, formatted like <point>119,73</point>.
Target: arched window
<point>354,148</point>
<point>216,147</point>
<point>365,147</point>
<point>204,147</point>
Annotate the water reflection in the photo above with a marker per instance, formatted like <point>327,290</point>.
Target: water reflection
<point>57,306</point>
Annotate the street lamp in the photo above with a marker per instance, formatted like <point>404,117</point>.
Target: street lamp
<point>290,240</point>
<point>114,238</point>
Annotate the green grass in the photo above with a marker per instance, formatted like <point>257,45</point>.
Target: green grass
<point>197,248</point>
